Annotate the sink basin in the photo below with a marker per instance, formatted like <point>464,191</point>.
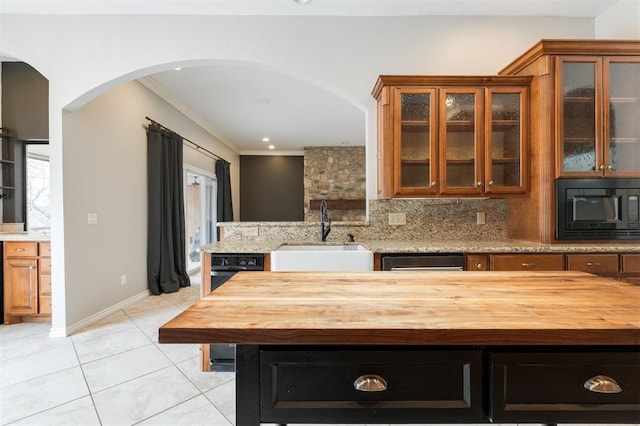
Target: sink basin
<point>322,257</point>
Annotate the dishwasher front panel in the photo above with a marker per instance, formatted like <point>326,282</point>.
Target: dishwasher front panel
<point>423,262</point>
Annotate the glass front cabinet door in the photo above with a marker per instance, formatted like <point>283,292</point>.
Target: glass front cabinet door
<point>415,151</point>
<point>599,117</point>
<point>506,140</point>
<point>450,136</point>
<point>461,141</point>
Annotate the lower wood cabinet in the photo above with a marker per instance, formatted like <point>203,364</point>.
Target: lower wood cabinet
<point>527,262</point>
<point>27,281</point>
<point>622,266</point>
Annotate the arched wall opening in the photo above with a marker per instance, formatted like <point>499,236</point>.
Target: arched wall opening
<point>103,156</point>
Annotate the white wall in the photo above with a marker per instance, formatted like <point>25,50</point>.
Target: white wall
<point>83,56</point>
<point>621,21</point>
<point>105,147</point>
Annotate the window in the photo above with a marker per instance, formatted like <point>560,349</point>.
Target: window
<point>38,196</point>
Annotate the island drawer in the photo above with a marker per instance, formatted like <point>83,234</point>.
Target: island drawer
<point>319,385</point>
<point>20,249</point>
<point>551,387</point>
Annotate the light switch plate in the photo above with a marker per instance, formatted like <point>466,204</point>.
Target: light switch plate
<point>397,218</point>
<point>92,218</point>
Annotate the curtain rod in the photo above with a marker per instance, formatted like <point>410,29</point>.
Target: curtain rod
<point>197,147</point>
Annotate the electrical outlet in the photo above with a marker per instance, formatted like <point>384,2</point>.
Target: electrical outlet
<point>397,218</point>
<point>123,279</point>
<point>481,218</point>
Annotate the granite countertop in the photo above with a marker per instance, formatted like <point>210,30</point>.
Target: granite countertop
<point>26,236</point>
<point>426,246</point>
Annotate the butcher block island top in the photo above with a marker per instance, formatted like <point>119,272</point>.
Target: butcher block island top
<point>413,308</point>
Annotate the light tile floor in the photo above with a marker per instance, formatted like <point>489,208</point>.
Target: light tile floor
<point>114,372</point>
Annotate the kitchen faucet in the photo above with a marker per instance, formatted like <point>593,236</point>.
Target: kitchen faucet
<point>324,219</point>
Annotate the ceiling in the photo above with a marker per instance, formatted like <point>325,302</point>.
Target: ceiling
<point>245,103</point>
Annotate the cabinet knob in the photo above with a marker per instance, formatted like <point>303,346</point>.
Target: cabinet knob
<point>433,183</point>
<point>527,265</point>
<point>610,167</point>
<point>602,384</point>
<point>594,264</point>
<point>490,183</point>
<point>370,383</point>
<point>479,183</point>
<point>602,167</point>
<point>478,265</point>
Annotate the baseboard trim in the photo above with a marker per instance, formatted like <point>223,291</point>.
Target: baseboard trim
<point>67,331</point>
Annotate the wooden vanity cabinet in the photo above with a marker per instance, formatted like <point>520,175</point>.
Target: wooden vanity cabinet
<point>451,136</point>
<point>27,281</point>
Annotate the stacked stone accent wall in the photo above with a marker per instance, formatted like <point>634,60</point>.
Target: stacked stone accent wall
<point>334,173</point>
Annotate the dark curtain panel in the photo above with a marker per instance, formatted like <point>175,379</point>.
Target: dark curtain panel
<point>225,206</point>
<point>166,259</point>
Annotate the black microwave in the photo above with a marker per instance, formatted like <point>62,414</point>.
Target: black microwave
<point>597,209</point>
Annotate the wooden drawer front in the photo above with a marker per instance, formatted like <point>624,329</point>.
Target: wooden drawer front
<point>45,266</point>
<point>527,262</point>
<point>45,305</point>
<point>422,386</point>
<point>20,249</point>
<point>45,285</point>
<point>477,262</point>
<point>630,263</point>
<point>44,249</point>
<point>550,387</point>
<point>594,263</point>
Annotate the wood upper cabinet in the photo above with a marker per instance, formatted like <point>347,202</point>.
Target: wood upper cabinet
<point>598,116</point>
<point>442,136</point>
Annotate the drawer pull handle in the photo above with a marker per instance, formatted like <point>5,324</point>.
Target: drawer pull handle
<point>528,265</point>
<point>593,264</point>
<point>18,249</point>
<point>602,384</point>
<point>370,383</point>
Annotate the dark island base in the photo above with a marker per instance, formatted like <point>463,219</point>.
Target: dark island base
<point>435,384</point>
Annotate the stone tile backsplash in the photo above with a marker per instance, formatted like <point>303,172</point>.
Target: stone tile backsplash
<point>426,219</point>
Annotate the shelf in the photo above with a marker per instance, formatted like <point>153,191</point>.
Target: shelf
<point>7,187</point>
<point>579,140</point>
<point>579,99</point>
<point>505,160</point>
<point>416,161</point>
<point>505,122</point>
<point>460,123</point>
<point>414,123</point>
<point>340,204</point>
<point>7,162</point>
<point>462,161</point>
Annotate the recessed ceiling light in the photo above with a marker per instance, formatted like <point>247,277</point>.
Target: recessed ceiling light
<point>302,1</point>
<point>177,68</point>
<point>271,147</point>
<point>265,139</point>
